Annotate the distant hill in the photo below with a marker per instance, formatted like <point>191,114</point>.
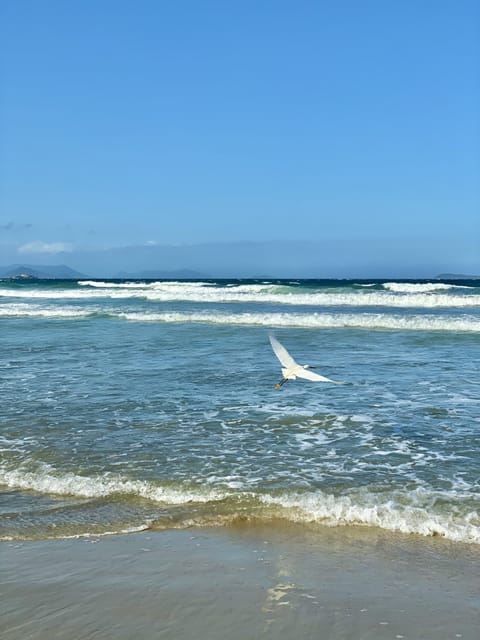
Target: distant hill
<point>455,276</point>
<point>42,272</point>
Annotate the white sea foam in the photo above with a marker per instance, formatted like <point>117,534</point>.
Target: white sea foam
<point>404,297</point>
<point>26,310</point>
<point>112,285</point>
<point>65,294</point>
<point>308,440</point>
<point>272,295</point>
<point>103,534</point>
<point>44,480</point>
<point>406,512</point>
<point>317,320</point>
<point>421,287</point>
<point>78,536</point>
<point>413,512</point>
<point>371,321</point>
<point>142,285</point>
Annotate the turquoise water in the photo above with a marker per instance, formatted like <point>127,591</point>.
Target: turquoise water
<point>133,405</point>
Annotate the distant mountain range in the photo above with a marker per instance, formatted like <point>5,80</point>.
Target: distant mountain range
<point>289,259</point>
<point>62,272</point>
<point>455,276</point>
<point>43,272</point>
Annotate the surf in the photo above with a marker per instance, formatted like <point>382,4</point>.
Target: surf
<point>421,511</point>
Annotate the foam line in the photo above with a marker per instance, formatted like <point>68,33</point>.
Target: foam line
<point>405,511</point>
<point>394,295</point>
<point>371,321</point>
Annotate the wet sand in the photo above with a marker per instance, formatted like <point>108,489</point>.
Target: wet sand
<point>283,582</point>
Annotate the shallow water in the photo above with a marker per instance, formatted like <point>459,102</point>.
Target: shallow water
<point>282,582</point>
<point>133,405</point>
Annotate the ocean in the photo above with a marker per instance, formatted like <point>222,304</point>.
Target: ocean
<point>135,405</point>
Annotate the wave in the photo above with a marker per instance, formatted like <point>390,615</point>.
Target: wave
<point>111,285</point>
<point>316,320</point>
<point>422,511</point>
<point>407,512</point>
<point>68,294</point>
<point>371,321</point>
<point>142,285</point>
<point>70,484</point>
<point>394,295</point>
<point>76,536</point>
<point>350,299</point>
<point>423,287</point>
<point>401,287</point>
<point>25,310</point>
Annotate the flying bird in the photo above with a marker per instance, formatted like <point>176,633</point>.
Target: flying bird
<point>291,370</point>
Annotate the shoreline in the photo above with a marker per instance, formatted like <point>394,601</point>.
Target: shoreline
<point>238,582</point>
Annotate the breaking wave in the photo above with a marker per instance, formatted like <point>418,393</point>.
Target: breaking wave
<point>317,320</point>
<point>410,512</point>
<point>70,484</point>
<point>25,310</point>
<point>421,511</point>
<point>371,321</point>
<point>397,295</point>
<point>422,287</point>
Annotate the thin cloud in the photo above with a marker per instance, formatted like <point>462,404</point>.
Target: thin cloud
<point>45,247</point>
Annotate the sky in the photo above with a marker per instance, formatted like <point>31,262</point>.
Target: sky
<point>348,130</point>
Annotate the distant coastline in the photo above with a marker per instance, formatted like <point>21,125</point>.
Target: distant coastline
<point>455,276</point>
<point>63,272</point>
<point>43,272</point>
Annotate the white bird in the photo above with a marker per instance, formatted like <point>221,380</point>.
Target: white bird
<point>291,369</point>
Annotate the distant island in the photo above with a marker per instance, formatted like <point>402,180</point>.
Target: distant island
<point>63,272</point>
<point>455,276</point>
<point>43,272</point>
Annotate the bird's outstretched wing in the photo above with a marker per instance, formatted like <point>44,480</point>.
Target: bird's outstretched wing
<point>282,354</point>
<point>311,375</point>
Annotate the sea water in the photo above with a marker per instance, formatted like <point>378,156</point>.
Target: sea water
<point>128,405</point>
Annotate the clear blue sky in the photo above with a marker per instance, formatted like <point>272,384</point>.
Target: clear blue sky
<point>354,124</point>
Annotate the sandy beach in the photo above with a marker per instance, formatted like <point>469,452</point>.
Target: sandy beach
<point>249,581</point>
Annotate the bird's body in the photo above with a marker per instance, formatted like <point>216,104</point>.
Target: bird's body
<point>291,370</point>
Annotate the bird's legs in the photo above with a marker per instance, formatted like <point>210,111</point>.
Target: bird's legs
<point>279,384</point>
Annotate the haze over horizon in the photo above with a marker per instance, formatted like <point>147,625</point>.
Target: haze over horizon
<point>281,139</point>
<point>241,260</point>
